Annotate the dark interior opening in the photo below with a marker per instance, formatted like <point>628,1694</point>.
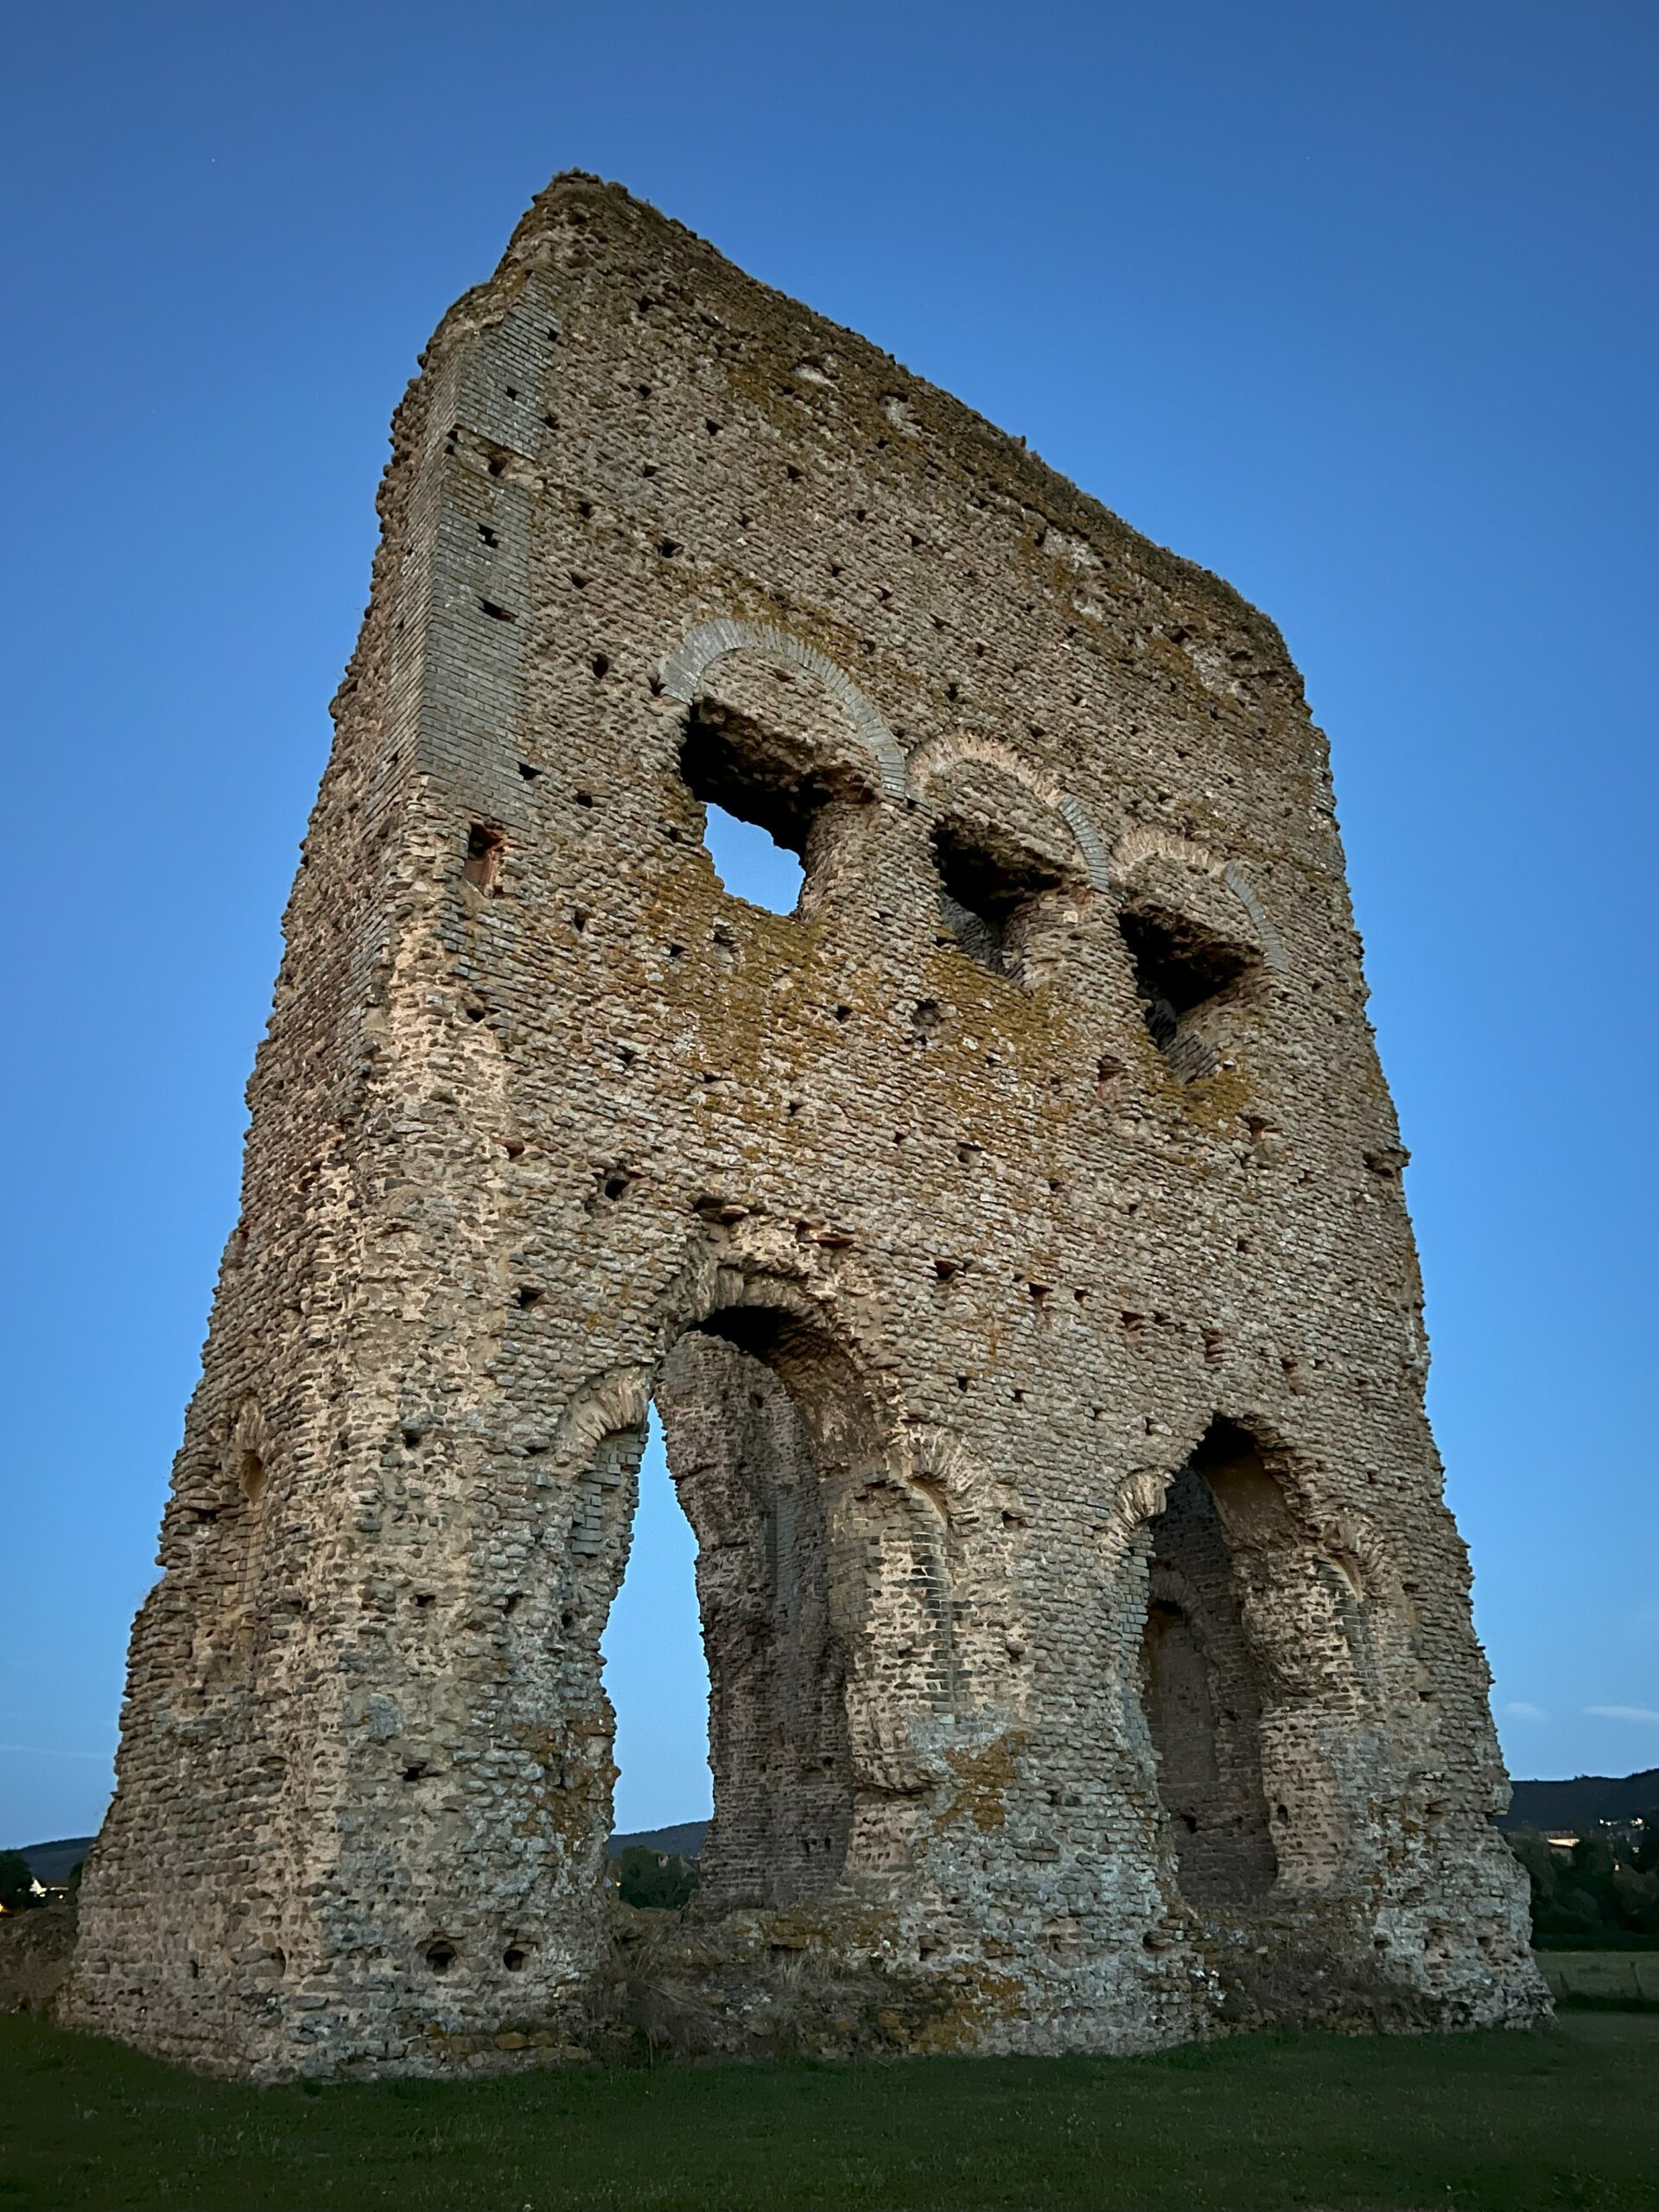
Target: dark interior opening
<point>763,1331</point>
<point>986,892</point>
<point>1204,1682</point>
<point>486,848</point>
<point>1180,969</point>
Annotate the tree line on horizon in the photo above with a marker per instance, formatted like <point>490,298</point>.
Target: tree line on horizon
<point>1603,1890</point>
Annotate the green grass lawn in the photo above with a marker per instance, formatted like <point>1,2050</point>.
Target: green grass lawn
<point>1566,2116</point>
<point>1604,1976</point>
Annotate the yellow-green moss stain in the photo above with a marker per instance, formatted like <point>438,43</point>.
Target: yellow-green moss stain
<point>574,1767</point>
<point>961,2006</point>
<point>983,1779</point>
<point>1215,1102</point>
<point>1037,1034</point>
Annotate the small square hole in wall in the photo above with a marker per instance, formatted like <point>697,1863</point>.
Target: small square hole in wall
<point>486,851</point>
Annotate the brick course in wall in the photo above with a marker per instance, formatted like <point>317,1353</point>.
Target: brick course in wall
<point>1012,1240</point>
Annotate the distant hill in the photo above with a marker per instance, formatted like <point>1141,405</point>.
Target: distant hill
<point>51,1862</point>
<point>1582,1802</point>
<point>1575,1804</point>
<point>685,1841</point>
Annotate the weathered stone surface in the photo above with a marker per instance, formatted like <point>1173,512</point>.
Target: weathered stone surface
<point>1013,1240</point>
<point>34,1952</point>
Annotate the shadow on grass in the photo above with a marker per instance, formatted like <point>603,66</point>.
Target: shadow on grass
<point>1566,2116</point>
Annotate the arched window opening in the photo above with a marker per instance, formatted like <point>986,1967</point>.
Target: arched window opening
<point>250,1476</point>
<point>990,892</point>
<point>1204,1682</point>
<point>777,817</point>
<point>1183,973</point>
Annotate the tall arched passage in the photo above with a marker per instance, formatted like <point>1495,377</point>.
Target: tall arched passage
<point>744,1463</point>
<point>1204,1677</point>
<point>822,1592</point>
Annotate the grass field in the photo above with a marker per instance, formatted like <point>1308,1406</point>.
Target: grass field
<point>1566,2116</point>
<point>1613,1977</point>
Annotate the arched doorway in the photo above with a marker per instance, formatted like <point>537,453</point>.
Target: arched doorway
<point>1204,1677</point>
<point>752,1478</point>
<point>823,1594</point>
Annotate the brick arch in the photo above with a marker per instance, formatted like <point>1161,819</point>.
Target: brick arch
<point>1145,843</point>
<point>944,753</point>
<point>686,667</point>
<point>1321,1516</point>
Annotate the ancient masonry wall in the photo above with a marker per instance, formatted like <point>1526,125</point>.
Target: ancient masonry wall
<point>1012,1240</point>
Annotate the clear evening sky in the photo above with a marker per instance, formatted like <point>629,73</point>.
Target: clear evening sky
<point>1355,305</point>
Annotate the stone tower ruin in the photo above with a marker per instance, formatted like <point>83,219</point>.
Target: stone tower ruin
<point>1010,1239</point>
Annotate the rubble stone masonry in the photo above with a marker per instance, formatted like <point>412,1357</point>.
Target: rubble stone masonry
<point>1010,1239</point>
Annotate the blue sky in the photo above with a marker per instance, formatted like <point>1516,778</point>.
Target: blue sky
<point>1354,306</point>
